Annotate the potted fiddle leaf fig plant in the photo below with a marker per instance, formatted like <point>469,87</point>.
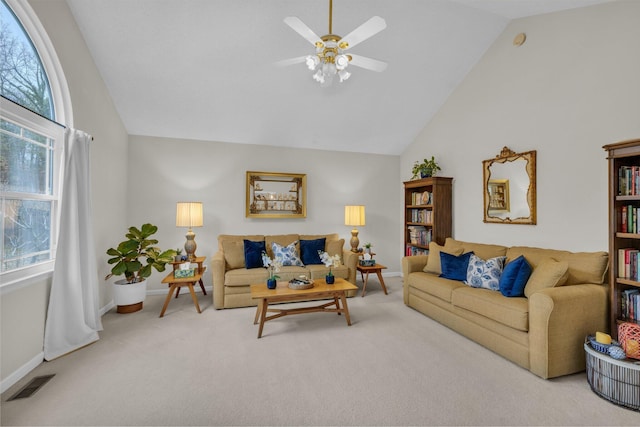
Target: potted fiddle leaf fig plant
<point>135,258</point>
<point>425,169</point>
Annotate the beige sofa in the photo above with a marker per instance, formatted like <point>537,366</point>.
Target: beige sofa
<point>543,331</point>
<point>231,279</point>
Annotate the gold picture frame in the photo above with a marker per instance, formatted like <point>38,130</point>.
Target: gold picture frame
<point>276,195</point>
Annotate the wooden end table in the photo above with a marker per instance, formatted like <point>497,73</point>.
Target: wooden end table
<point>282,293</point>
<point>376,268</point>
<point>176,284</point>
<point>201,269</point>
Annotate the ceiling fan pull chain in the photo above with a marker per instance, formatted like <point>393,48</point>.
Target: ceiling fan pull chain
<point>330,16</point>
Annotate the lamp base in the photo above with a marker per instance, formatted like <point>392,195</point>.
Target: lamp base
<point>190,245</point>
<point>355,242</point>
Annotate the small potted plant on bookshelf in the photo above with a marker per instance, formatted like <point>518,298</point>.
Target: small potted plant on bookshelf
<point>425,169</point>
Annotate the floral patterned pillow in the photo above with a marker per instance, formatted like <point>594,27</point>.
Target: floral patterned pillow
<point>286,255</point>
<point>485,274</point>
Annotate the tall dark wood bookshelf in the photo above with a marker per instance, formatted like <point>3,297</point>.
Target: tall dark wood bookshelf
<point>427,213</point>
<point>624,232</point>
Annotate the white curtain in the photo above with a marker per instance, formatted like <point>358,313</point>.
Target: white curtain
<point>73,318</point>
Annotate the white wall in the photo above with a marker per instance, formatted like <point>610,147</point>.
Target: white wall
<point>168,170</point>
<point>23,311</point>
<point>573,87</point>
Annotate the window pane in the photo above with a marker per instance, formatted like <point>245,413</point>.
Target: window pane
<point>27,233</point>
<point>25,166</point>
<point>22,76</point>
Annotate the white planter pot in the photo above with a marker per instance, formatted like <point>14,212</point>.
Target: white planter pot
<point>127,294</point>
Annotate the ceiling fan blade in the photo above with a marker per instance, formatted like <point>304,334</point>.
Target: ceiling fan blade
<point>291,61</point>
<point>302,29</point>
<point>370,28</point>
<point>368,63</point>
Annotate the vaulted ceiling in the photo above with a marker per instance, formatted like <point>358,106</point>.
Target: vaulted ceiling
<point>204,69</point>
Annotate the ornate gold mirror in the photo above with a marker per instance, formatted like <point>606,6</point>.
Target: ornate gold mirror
<point>510,188</point>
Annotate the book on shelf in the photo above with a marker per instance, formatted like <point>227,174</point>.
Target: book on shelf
<point>412,251</point>
<point>630,298</point>
<point>422,216</point>
<point>628,261</point>
<point>419,235</point>
<point>629,181</point>
<point>629,219</point>
<point>421,198</point>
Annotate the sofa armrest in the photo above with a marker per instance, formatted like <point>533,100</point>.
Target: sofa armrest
<point>351,261</point>
<point>411,264</point>
<point>559,320</point>
<point>218,268</point>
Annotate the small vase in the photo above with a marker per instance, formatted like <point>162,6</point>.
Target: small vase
<point>330,279</point>
<point>271,283</point>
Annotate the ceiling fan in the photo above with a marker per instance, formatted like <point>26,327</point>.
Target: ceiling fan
<point>330,58</point>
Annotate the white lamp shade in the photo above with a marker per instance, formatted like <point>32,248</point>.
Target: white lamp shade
<point>354,215</point>
<point>189,214</point>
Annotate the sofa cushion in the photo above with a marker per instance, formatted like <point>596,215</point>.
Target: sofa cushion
<point>286,255</point>
<point>243,276</point>
<point>335,247</point>
<point>309,250</point>
<point>584,267</point>
<point>434,285</point>
<point>329,237</point>
<point>454,267</point>
<point>433,262</point>
<point>253,253</point>
<point>485,274</point>
<point>514,277</point>
<point>482,250</point>
<point>548,274</point>
<point>513,312</point>
<point>320,271</point>
<point>233,248</point>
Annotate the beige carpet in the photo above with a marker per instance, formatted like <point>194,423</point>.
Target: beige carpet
<point>393,366</point>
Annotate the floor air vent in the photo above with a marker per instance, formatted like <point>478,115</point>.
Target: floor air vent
<point>31,387</point>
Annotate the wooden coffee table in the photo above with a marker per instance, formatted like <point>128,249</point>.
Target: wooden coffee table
<point>282,293</point>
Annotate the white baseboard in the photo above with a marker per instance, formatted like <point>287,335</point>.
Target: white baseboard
<point>21,372</point>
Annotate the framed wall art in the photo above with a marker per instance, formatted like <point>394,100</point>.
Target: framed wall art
<point>276,195</point>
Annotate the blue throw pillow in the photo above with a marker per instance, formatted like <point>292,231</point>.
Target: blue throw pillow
<point>514,277</point>
<point>454,267</point>
<point>253,253</point>
<point>309,250</point>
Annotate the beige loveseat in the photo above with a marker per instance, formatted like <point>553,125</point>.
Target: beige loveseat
<point>231,278</point>
<point>544,331</point>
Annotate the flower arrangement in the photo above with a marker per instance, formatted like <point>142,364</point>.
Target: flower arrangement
<point>329,261</point>
<point>272,266</point>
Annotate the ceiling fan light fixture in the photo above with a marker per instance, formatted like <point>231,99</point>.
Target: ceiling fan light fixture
<point>342,61</point>
<point>312,62</point>
<point>344,75</point>
<point>319,76</point>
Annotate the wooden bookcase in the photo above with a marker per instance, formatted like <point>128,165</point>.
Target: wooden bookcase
<point>427,213</point>
<point>624,233</point>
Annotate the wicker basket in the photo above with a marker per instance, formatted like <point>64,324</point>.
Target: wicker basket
<point>617,381</point>
<point>629,337</point>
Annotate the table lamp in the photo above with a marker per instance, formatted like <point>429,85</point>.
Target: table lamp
<point>189,214</point>
<point>354,216</point>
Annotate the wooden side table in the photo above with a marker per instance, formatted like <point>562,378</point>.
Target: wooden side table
<point>376,268</point>
<point>176,284</point>
<point>201,269</point>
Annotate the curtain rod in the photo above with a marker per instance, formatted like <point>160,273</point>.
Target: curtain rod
<point>35,112</point>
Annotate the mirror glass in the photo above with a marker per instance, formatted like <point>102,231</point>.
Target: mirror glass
<point>510,188</point>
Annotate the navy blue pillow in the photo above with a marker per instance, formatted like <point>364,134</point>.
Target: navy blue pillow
<point>253,253</point>
<point>309,250</point>
<point>454,267</point>
<point>514,277</point>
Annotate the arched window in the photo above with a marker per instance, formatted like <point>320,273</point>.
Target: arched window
<point>34,97</point>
